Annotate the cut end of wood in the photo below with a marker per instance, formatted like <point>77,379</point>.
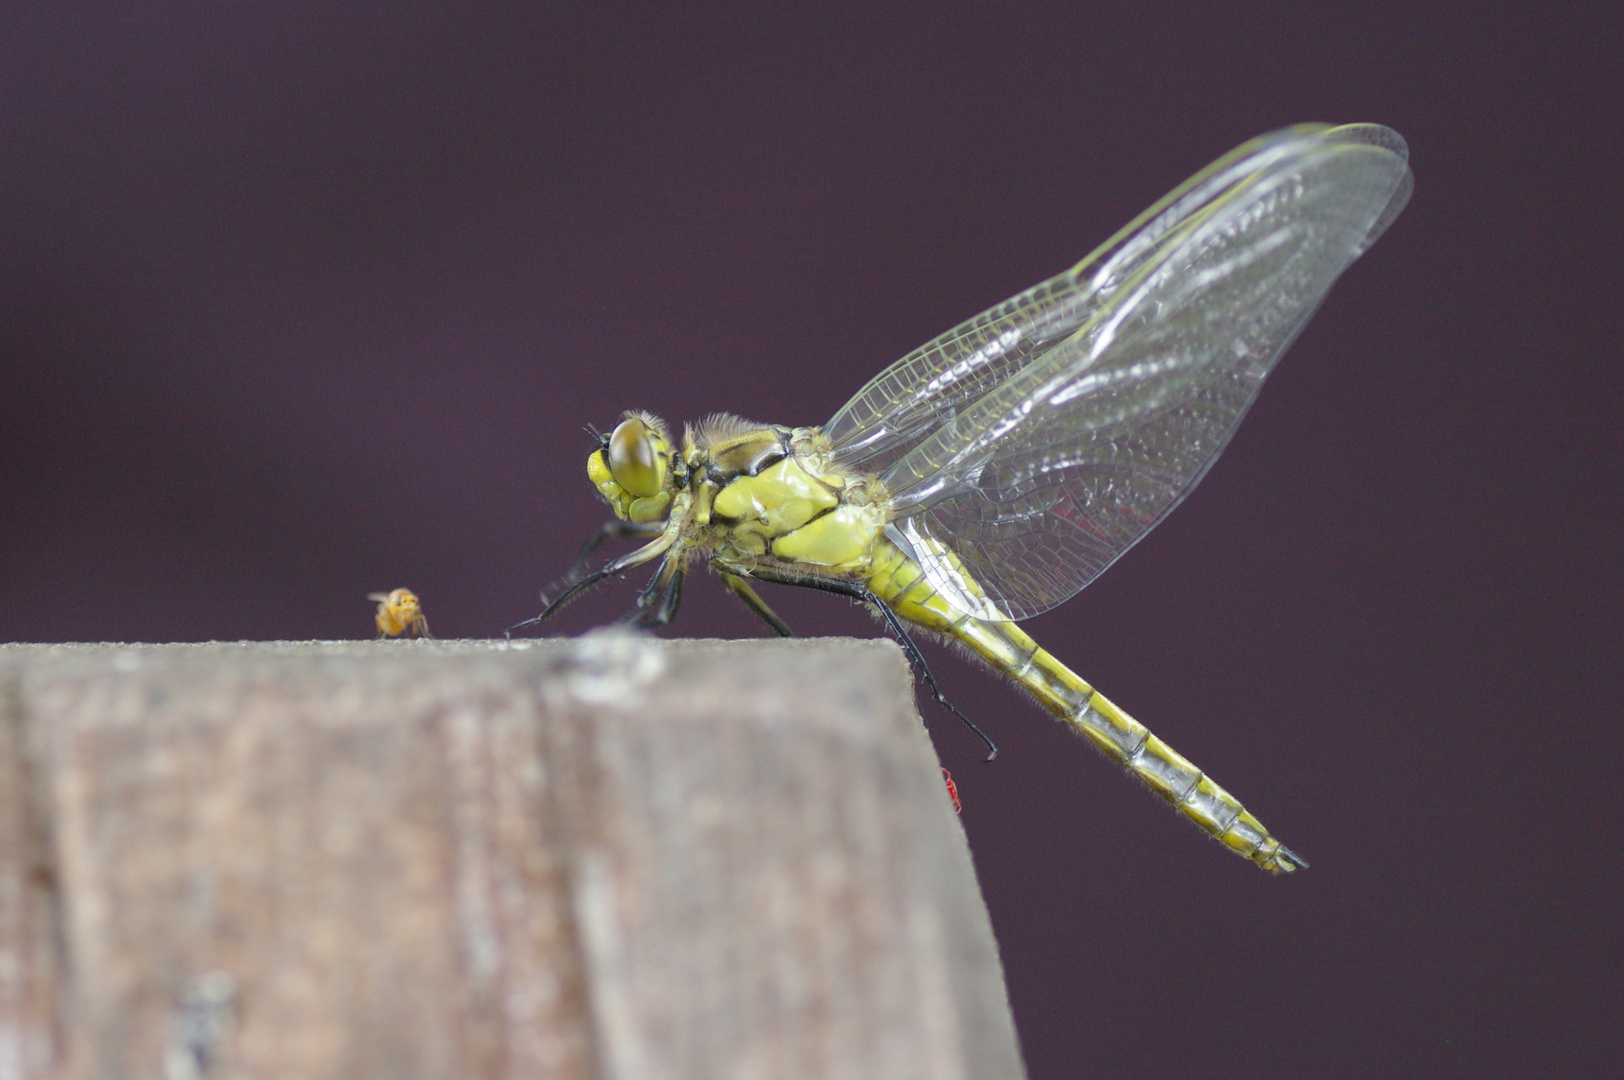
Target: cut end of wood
<point>610,856</point>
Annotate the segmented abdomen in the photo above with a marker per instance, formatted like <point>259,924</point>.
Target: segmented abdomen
<point>900,582</point>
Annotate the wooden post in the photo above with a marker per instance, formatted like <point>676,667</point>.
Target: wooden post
<point>608,857</point>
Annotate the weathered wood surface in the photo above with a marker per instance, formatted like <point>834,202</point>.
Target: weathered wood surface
<point>610,857</point>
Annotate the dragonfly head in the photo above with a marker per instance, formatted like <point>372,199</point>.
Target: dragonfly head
<point>634,468</point>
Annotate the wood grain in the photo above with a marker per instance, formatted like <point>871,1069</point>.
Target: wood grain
<point>608,857</point>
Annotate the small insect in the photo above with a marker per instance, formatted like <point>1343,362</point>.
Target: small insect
<point>952,791</point>
<point>993,472</point>
<point>400,614</point>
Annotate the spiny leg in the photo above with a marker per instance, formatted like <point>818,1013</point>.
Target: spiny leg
<point>657,604</point>
<point>615,528</point>
<point>614,567</point>
<point>552,608</point>
<point>859,590</point>
<point>749,598</point>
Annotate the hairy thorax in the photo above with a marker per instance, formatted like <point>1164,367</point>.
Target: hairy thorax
<point>765,493</point>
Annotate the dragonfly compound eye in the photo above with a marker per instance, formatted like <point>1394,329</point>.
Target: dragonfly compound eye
<point>634,462</point>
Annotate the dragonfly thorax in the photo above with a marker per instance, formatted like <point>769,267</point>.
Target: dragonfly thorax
<point>742,491</point>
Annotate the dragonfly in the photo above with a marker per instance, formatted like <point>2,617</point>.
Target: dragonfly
<point>993,472</point>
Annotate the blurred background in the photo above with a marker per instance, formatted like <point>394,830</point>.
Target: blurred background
<point>304,301</point>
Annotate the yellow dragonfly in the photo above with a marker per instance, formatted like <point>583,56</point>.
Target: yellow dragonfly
<point>993,472</point>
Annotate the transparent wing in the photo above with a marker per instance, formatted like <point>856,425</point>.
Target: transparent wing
<point>1043,480</point>
<point>919,393</point>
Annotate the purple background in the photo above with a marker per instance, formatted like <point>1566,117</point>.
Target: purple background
<point>297,303</point>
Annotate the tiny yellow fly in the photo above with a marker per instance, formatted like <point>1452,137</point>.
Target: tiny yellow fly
<point>400,614</point>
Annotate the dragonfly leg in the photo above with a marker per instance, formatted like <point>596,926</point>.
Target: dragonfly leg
<point>747,596</point>
<point>859,590</point>
<point>615,528</point>
<point>613,568</point>
<point>658,602</point>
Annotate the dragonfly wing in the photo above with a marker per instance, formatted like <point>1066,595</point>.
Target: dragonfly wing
<point>914,397</point>
<point>1044,480</point>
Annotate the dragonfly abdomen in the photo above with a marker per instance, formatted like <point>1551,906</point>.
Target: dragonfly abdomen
<point>1177,780</point>
<point>900,582</point>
